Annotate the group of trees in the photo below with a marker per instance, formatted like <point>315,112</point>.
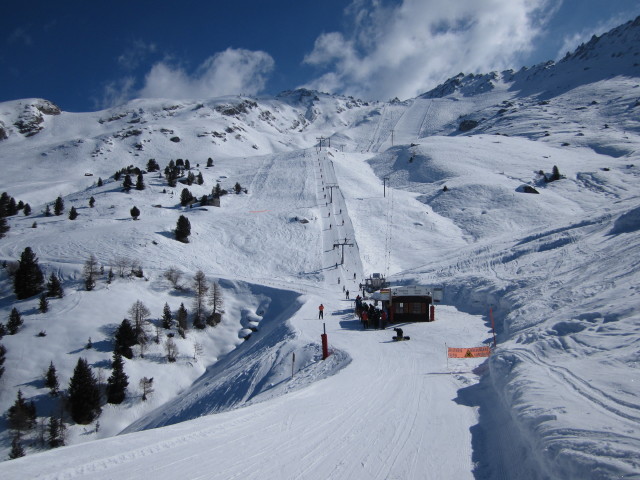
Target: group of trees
<point>58,208</point>
<point>83,400</point>
<point>555,175</point>
<point>8,208</point>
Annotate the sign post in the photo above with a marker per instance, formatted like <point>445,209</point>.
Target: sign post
<point>325,343</point>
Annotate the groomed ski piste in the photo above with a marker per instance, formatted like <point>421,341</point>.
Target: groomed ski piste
<point>557,399</point>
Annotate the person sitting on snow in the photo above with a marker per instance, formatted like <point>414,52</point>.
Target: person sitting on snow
<point>399,333</point>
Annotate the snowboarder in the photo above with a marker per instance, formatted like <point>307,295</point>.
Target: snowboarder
<point>399,334</point>
<point>320,311</point>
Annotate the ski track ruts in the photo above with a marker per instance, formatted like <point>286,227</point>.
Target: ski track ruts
<point>596,396</point>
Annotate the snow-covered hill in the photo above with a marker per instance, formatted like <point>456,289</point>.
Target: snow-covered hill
<point>558,269</point>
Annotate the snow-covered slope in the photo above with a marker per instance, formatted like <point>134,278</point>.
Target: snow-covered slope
<point>558,269</point>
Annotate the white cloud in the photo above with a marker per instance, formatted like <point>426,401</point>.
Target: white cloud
<point>136,54</point>
<point>572,41</point>
<point>20,35</point>
<point>230,72</point>
<point>116,93</point>
<point>405,49</point>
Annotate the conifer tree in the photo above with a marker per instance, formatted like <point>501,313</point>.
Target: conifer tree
<point>183,229</point>
<point>47,211</point>
<point>58,206</point>
<point>140,182</point>
<point>100,183</point>
<point>51,380</point>
<point>15,321</point>
<point>118,381</point>
<point>54,429</point>
<point>209,162</point>
<point>167,317</point>
<point>135,212</point>
<point>21,415</point>
<point>3,356</point>
<point>28,279</point>
<point>125,338</point>
<point>43,306</point>
<point>3,330</point>
<point>73,213</point>
<point>4,227</point>
<point>181,319</point>
<point>54,287</point>
<point>12,207</point>
<point>127,183</point>
<point>185,197</point>
<point>84,394</point>
<point>199,179</point>
<point>16,448</point>
<point>26,210</point>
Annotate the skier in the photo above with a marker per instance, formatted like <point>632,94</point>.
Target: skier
<point>364,318</point>
<point>347,294</point>
<point>320,311</point>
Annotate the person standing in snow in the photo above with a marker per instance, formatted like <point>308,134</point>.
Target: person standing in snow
<point>321,311</point>
<point>347,294</point>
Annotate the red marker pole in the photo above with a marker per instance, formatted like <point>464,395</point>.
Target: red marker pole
<point>325,343</point>
<point>433,313</point>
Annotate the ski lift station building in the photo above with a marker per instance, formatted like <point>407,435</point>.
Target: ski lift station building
<point>410,303</point>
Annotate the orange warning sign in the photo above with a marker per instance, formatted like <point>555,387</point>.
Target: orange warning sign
<point>473,352</point>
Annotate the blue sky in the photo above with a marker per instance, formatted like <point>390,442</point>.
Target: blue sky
<point>87,55</point>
